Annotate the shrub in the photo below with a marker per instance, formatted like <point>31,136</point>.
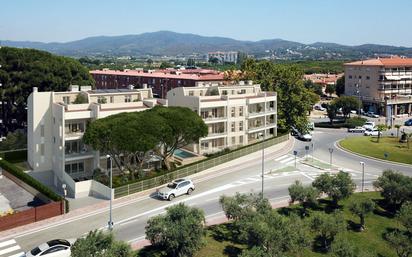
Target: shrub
<point>80,99</point>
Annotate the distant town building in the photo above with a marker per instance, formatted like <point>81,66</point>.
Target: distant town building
<point>323,79</point>
<point>160,81</point>
<point>224,57</point>
<point>384,85</point>
<point>236,115</point>
<point>56,126</point>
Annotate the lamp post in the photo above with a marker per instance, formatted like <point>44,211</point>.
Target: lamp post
<point>330,152</point>
<point>295,153</point>
<point>313,150</point>
<point>363,174</point>
<point>110,223</point>
<point>263,160</point>
<point>64,187</point>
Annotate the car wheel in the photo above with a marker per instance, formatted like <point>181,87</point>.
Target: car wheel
<point>189,191</point>
<point>171,197</point>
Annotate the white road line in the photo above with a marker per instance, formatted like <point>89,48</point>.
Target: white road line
<point>306,175</point>
<point>281,157</point>
<point>10,249</point>
<point>20,254</point>
<point>287,160</point>
<point>292,163</point>
<point>6,243</point>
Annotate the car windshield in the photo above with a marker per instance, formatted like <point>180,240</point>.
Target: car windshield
<point>172,185</point>
<point>35,251</point>
<point>58,242</point>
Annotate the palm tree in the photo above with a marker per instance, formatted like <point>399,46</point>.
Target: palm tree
<point>397,126</point>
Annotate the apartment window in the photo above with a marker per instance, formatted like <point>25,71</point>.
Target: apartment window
<point>101,100</point>
<point>74,167</point>
<point>360,77</point>
<point>240,125</point>
<point>127,98</point>
<point>224,92</point>
<point>232,127</point>
<point>191,93</point>
<point>241,140</point>
<point>232,111</point>
<point>54,140</point>
<point>201,93</point>
<point>233,140</point>
<point>42,130</point>
<point>241,111</point>
<point>233,92</point>
<point>350,76</point>
<point>42,149</point>
<point>66,99</point>
<point>204,144</point>
<point>111,99</point>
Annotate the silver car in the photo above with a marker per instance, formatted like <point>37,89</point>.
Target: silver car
<point>176,188</point>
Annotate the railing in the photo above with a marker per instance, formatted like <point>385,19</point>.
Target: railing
<point>195,167</point>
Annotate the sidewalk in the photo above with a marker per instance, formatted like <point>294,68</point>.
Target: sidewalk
<point>100,207</point>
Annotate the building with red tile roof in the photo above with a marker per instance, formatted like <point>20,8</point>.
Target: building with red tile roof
<point>161,81</point>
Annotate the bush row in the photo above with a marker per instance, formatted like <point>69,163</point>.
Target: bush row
<point>349,123</point>
<point>14,156</point>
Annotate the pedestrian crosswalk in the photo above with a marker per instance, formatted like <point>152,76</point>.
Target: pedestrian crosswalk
<point>10,248</point>
<point>286,159</point>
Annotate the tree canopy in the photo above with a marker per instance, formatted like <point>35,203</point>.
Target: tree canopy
<point>23,69</point>
<point>395,187</point>
<point>179,232</point>
<point>336,186</point>
<point>294,99</point>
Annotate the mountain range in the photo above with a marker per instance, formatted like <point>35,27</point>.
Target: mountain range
<point>167,43</point>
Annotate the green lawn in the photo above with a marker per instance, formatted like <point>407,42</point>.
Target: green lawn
<point>219,243</point>
<point>397,152</point>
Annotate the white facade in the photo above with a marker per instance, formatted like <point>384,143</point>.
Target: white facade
<point>56,126</point>
<point>236,115</point>
<point>223,57</point>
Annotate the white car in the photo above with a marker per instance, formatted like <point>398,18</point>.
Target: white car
<point>176,188</point>
<point>357,130</point>
<point>305,136</point>
<point>369,125</point>
<point>373,132</point>
<point>53,248</point>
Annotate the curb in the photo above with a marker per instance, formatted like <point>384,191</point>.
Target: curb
<point>337,145</point>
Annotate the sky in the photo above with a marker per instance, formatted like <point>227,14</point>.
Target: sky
<point>350,22</point>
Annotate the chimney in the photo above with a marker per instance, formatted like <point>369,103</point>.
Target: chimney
<point>74,88</point>
<point>35,89</point>
<point>144,86</point>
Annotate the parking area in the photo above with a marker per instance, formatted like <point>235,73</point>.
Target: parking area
<point>12,196</point>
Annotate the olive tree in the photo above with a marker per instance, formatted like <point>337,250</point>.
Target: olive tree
<point>361,208</point>
<point>336,186</point>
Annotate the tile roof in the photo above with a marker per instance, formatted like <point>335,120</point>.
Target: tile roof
<point>389,62</point>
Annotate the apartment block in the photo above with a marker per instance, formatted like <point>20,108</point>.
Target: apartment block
<point>224,57</point>
<point>56,125</point>
<point>161,81</point>
<point>236,115</point>
<point>384,85</point>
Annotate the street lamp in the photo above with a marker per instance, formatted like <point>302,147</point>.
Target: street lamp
<point>64,187</point>
<point>313,150</point>
<point>363,174</point>
<point>331,151</point>
<point>262,135</point>
<point>109,165</point>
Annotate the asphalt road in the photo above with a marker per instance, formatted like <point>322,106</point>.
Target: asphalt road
<point>130,218</point>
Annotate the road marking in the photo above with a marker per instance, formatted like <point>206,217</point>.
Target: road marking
<point>20,254</point>
<point>6,243</point>
<point>282,157</point>
<point>10,249</point>
<point>290,158</point>
<point>306,175</point>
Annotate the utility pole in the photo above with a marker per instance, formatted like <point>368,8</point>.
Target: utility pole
<point>363,174</point>
<point>330,152</point>
<point>110,166</point>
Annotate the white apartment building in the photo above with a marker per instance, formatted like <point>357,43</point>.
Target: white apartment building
<point>56,126</point>
<point>236,115</point>
<point>384,85</point>
<point>223,57</point>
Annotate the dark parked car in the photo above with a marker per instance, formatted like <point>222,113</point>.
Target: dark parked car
<point>408,122</point>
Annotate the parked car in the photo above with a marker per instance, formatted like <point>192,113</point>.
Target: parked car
<point>53,248</point>
<point>408,122</point>
<point>357,130</point>
<point>369,125</point>
<point>319,108</point>
<point>176,188</point>
<point>371,132</point>
<point>353,112</point>
<point>372,115</point>
<point>304,136</point>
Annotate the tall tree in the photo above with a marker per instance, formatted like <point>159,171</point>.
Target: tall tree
<point>306,195</point>
<point>395,187</point>
<point>23,69</point>
<point>294,100</point>
<point>184,127</point>
<point>381,128</point>
<point>404,216</point>
<point>179,232</point>
<point>347,103</point>
<point>337,186</point>
<point>331,110</point>
<point>327,226</point>
<point>340,86</point>
<point>330,89</point>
